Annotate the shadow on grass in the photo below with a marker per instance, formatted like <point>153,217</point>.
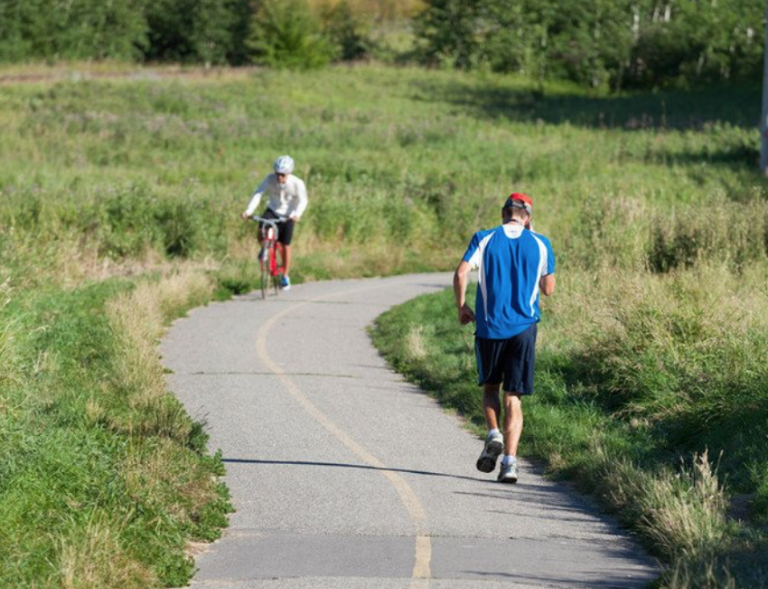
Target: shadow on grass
<point>664,426</point>
<point>674,109</point>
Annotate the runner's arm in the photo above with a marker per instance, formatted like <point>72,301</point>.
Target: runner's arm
<point>460,282</point>
<point>547,284</point>
<point>547,280</point>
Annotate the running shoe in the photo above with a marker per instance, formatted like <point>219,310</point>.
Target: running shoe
<point>494,444</point>
<point>508,473</point>
<point>285,283</point>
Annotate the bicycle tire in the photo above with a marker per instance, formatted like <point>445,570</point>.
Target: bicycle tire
<point>264,279</point>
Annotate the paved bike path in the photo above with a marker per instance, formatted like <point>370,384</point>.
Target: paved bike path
<point>343,475</point>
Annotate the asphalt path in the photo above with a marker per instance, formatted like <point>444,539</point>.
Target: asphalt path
<point>344,475</point>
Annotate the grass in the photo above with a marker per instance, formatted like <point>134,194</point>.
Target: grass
<point>651,394</point>
<point>396,162</point>
<point>104,477</point>
<point>120,194</point>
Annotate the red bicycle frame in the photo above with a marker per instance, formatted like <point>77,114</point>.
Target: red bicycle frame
<point>270,269</point>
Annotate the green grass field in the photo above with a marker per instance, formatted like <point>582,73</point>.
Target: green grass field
<point>124,193</point>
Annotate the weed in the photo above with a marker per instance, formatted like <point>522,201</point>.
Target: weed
<point>652,351</point>
<point>634,371</point>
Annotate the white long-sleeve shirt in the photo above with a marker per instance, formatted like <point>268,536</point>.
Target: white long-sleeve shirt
<point>285,200</point>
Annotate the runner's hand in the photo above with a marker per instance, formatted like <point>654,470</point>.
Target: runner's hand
<point>466,315</point>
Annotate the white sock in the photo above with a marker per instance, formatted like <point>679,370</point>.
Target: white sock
<point>507,460</point>
<point>493,432</point>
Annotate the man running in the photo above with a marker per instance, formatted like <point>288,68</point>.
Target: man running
<point>515,264</point>
<point>287,200</point>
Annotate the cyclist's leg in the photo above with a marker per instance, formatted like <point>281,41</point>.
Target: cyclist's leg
<point>285,237</point>
<point>286,260</point>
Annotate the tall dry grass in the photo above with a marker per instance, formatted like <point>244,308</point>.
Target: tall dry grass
<point>642,378</point>
<point>7,351</point>
<point>138,319</point>
<point>681,511</point>
<point>93,558</point>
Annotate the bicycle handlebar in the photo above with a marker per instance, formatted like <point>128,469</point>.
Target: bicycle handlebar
<point>270,221</point>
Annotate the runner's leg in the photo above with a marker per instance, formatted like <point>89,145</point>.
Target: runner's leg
<point>513,422</point>
<point>491,405</point>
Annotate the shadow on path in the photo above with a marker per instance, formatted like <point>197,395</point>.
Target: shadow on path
<point>353,466</point>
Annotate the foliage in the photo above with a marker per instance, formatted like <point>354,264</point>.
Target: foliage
<point>286,34</point>
<point>641,397</point>
<point>204,31</point>
<point>80,29</point>
<point>697,41</point>
<point>347,31</point>
<point>599,43</point>
<point>104,478</point>
<point>448,29</point>
<point>119,177</point>
<point>211,32</point>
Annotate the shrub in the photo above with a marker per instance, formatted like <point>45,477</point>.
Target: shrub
<point>739,236</point>
<point>79,29</point>
<point>286,34</point>
<point>600,42</point>
<point>347,31</point>
<point>446,30</point>
<point>208,31</point>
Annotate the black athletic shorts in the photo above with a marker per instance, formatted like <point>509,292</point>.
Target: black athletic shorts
<point>508,361</point>
<point>284,228</point>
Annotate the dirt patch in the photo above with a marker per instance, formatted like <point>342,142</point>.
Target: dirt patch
<point>36,74</point>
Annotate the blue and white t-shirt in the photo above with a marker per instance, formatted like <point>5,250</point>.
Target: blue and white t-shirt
<point>511,260</point>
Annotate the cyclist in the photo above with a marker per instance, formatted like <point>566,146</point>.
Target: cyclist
<point>287,201</point>
<point>515,265</point>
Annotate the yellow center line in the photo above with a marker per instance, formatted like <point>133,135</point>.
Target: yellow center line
<point>423,549</point>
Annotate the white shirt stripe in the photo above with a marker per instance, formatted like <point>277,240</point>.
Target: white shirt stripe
<point>542,271</point>
<point>476,261</point>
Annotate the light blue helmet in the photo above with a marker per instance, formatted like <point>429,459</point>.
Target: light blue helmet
<point>284,164</point>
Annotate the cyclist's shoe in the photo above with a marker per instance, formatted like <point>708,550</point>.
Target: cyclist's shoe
<point>508,473</point>
<point>494,444</point>
<point>285,283</point>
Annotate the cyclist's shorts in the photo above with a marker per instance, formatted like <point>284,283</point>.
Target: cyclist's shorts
<point>284,228</point>
<point>508,361</point>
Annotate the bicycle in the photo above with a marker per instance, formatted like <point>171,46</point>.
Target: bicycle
<point>271,270</point>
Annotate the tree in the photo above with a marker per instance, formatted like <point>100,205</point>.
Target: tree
<point>448,32</point>
<point>286,34</point>
<point>212,33</point>
<point>197,31</point>
<point>242,14</point>
<point>78,29</point>
<point>616,43</point>
<point>347,31</point>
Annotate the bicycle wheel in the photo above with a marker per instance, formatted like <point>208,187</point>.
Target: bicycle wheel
<point>264,280</point>
<point>265,270</point>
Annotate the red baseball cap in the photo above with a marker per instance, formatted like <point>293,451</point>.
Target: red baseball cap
<point>521,201</point>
